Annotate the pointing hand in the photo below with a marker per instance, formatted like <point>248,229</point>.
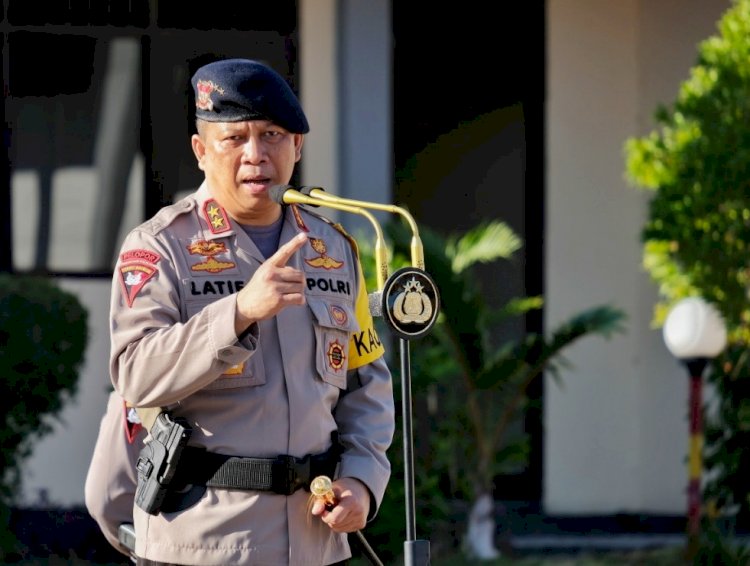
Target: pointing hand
<point>272,287</point>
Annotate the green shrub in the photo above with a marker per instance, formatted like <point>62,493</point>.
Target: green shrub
<point>43,334</point>
<point>696,239</point>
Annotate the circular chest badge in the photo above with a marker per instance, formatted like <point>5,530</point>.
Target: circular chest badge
<point>335,355</point>
<point>410,302</point>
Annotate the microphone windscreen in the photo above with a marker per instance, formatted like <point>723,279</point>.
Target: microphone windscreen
<point>277,192</point>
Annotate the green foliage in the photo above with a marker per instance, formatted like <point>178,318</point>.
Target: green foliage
<point>43,334</point>
<point>467,391</point>
<point>483,244</point>
<point>698,162</point>
<point>727,432</point>
<point>719,548</point>
<point>697,235</point>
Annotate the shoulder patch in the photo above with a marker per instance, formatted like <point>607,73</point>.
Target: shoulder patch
<point>143,255</point>
<point>216,217</point>
<point>133,276</point>
<point>298,218</point>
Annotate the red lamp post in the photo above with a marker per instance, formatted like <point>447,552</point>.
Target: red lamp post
<point>694,333</point>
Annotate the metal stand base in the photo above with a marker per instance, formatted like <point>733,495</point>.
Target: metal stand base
<point>417,553</point>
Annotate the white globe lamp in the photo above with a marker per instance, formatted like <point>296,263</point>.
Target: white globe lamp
<point>694,329</point>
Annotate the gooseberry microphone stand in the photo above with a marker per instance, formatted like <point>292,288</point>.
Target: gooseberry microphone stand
<point>410,304</point>
<point>409,301</point>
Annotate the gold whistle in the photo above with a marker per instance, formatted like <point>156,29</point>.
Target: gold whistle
<point>322,488</point>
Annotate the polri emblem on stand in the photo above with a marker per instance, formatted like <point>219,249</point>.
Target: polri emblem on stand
<point>410,302</point>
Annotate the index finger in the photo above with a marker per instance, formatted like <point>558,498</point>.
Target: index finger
<point>286,251</point>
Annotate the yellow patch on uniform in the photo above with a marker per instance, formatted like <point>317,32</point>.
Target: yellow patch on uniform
<point>236,369</point>
<point>365,345</point>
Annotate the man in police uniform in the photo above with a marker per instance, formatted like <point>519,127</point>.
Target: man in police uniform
<point>249,320</point>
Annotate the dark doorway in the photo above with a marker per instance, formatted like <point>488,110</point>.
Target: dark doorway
<point>469,146</point>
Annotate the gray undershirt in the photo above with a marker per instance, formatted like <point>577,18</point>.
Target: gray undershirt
<point>266,238</point>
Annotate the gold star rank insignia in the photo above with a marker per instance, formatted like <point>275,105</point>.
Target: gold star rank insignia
<point>216,216</point>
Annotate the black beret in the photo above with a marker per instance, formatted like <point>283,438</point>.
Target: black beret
<point>234,90</point>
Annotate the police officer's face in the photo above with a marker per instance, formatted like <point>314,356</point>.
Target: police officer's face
<point>242,160</point>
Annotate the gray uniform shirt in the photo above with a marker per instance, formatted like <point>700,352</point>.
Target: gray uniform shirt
<point>173,344</point>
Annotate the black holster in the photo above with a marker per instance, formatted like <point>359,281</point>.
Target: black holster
<point>157,461</point>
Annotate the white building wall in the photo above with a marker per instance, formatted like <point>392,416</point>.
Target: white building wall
<point>56,470</point>
<point>319,92</point>
<point>616,432</point>
<point>346,82</point>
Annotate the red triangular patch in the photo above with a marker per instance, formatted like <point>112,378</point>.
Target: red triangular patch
<point>131,429</point>
<point>133,277</point>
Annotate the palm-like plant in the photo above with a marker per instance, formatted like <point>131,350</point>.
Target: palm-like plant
<point>480,387</point>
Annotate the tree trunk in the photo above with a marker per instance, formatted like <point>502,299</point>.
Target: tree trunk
<point>479,542</point>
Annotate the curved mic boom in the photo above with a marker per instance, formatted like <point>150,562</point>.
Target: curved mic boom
<point>417,250</point>
<point>286,194</point>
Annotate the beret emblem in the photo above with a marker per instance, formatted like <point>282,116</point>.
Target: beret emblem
<point>205,88</point>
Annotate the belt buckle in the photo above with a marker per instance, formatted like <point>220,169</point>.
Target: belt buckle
<point>289,474</point>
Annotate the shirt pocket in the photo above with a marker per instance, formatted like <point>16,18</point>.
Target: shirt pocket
<point>334,323</point>
<point>249,373</point>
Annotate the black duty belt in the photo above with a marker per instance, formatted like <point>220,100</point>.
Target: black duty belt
<point>283,474</point>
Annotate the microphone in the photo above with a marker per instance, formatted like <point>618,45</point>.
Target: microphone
<point>417,250</point>
<point>286,194</point>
